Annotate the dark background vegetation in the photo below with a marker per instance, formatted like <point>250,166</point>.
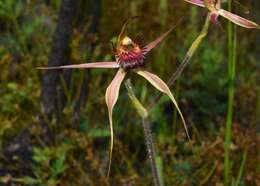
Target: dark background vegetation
<point>54,125</point>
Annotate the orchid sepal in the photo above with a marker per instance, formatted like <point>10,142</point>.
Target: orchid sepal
<point>111,96</point>
<point>160,85</point>
<point>237,19</point>
<point>112,64</point>
<point>196,2</point>
<point>158,40</point>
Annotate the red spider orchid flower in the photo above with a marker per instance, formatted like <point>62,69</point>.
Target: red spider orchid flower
<point>128,56</point>
<point>214,6</point>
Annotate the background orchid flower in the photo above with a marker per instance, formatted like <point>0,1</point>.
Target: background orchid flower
<point>129,56</point>
<point>214,6</point>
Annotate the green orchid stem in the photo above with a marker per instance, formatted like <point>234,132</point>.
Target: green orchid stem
<point>193,48</point>
<point>141,110</point>
<point>231,92</point>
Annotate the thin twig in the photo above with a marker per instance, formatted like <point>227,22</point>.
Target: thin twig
<point>147,132</point>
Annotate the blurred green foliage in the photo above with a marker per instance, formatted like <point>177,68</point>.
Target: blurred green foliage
<point>78,153</point>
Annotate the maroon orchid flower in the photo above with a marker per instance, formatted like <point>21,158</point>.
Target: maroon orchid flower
<point>129,56</point>
<point>214,6</point>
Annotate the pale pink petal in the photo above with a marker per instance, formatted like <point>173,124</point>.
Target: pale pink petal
<point>237,19</point>
<point>161,86</point>
<point>85,65</point>
<point>112,93</point>
<point>154,43</point>
<point>196,2</point>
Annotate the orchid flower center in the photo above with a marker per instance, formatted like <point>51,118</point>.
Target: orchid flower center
<point>129,54</point>
<point>127,41</point>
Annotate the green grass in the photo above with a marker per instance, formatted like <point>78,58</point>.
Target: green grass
<point>231,92</point>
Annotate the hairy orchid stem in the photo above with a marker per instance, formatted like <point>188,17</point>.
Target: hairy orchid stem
<point>141,110</point>
<point>193,48</point>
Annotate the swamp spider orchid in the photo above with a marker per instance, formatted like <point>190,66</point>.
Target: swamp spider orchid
<point>129,56</point>
<point>214,6</point>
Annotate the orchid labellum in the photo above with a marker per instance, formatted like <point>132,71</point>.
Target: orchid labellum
<point>214,6</point>
<point>128,56</point>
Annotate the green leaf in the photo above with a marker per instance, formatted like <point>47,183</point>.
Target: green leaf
<point>59,166</point>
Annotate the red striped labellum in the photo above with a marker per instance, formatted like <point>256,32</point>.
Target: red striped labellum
<point>130,54</point>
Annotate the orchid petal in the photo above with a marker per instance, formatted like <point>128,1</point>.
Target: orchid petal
<point>161,86</point>
<point>196,2</point>
<point>112,93</point>
<point>237,19</point>
<point>154,43</point>
<point>85,65</point>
